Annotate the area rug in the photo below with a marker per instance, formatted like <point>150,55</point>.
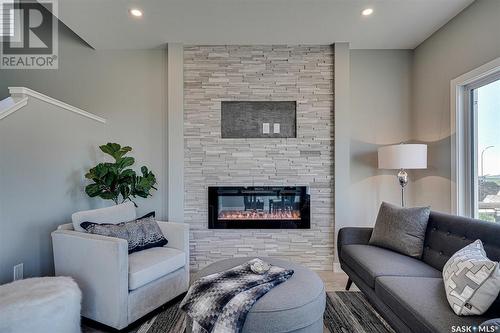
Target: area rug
<point>346,312</point>
<point>350,312</point>
<point>166,319</point>
<point>170,319</point>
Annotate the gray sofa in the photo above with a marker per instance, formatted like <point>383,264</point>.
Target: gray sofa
<point>408,292</point>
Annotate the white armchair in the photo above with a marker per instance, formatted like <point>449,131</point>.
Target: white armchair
<point>118,288</point>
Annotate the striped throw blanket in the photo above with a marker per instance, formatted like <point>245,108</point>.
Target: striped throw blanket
<point>219,303</point>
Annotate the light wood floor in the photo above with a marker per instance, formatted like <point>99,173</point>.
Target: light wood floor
<point>335,281</point>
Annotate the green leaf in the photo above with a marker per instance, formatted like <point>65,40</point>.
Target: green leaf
<point>125,162</point>
<point>109,195</point>
<point>101,170</point>
<point>126,177</point>
<point>127,173</point>
<point>93,190</point>
<point>112,180</point>
<point>115,150</point>
<point>142,194</point>
<point>110,148</point>
<point>125,192</point>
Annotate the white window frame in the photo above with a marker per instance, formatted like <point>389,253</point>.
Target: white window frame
<point>461,150</point>
<point>6,16</point>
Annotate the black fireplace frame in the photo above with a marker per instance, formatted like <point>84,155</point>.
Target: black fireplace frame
<point>213,203</point>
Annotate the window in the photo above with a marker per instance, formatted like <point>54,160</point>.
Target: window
<point>484,108</point>
<point>475,143</point>
<point>6,18</point>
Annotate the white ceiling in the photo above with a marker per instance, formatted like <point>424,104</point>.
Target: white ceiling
<point>395,24</point>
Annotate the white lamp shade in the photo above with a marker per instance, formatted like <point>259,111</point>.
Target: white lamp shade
<point>403,156</point>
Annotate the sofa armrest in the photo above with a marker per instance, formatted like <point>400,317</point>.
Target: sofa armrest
<point>352,235</point>
<point>177,235</point>
<point>99,265</point>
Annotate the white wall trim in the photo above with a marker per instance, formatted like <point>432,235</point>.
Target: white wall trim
<point>459,142</point>
<point>23,92</point>
<point>175,131</point>
<point>13,107</point>
<point>342,136</point>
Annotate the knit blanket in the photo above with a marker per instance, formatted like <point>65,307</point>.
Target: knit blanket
<point>219,303</point>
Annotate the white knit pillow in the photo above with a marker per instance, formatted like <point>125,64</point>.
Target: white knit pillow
<point>471,280</point>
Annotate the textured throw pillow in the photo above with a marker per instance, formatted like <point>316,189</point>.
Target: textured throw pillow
<point>471,280</point>
<point>401,229</point>
<point>140,234</point>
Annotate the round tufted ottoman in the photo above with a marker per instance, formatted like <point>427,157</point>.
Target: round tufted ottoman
<point>296,305</point>
<point>49,304</point>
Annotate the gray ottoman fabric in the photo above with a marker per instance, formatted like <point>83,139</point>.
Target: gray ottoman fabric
<point>296,305</point>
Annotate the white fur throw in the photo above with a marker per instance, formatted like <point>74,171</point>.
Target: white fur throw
<point>48,304</point>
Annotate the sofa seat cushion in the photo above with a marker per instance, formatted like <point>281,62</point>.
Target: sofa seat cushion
<point>148,265</point>
<point>370,262</point>
<point>421,303</point>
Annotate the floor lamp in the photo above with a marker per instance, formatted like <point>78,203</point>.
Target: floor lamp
<point>403,157</point>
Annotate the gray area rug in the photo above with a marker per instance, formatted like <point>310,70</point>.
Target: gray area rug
<point>350,312</point>
<point>166,319</point>
<point>346,312</point>
<point>170,320</point>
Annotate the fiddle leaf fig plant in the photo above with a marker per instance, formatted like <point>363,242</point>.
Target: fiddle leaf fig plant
<point>116,181</point>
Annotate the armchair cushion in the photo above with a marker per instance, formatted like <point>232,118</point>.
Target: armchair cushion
<point>115,214</point>
<point>148,265</point>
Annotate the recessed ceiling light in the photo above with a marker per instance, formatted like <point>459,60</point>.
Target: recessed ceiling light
<point>367,12</point>
<point>135,12</point>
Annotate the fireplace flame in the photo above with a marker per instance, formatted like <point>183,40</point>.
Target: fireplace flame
<point>258,215</point>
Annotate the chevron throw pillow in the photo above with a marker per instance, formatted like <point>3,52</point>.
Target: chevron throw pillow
<point>471,280</point>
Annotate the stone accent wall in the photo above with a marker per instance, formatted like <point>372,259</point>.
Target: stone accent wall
<point>262,73</point>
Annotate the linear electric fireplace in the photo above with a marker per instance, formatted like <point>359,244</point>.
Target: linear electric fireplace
<point>265,207</point>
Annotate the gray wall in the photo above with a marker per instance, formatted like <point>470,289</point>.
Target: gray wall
<point>380,89</point>
<point>44,153</point>
<point>380,111</point>
<point>294,73</point>
<point>376,86</point>
<point>468,41</point>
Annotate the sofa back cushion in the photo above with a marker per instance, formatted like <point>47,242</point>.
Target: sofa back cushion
<point>446,234</point>
<point>401,229</point>
<point>115,214</point>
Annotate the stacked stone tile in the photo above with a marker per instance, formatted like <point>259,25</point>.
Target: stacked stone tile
<point>261,73</point>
